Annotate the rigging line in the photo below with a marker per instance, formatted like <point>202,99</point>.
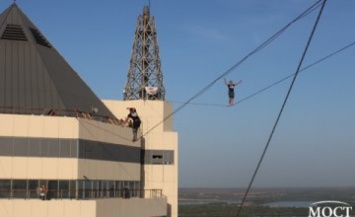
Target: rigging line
<point>282,107</point>
<point>290,75</point>
<point>201,104</point>
<point>259,48</point>
<point>267,42</point>
<point>276,82</point>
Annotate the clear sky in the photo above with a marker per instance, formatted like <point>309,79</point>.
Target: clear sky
<point>314,144</point>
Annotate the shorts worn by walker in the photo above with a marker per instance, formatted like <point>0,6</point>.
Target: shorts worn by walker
<point>231,94</point>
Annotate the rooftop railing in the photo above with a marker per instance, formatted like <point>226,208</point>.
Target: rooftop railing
<point>91,115</point>
<point>81,194</point>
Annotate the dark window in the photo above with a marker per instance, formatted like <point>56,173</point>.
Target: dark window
<point>118,189</point>
<point>136,189</point>
<point>44,148</point>
<point>52,189</point>
<point>34,147</point>
<point>126,191</point>
<point>159,157</point>
<point>6,146</point>
<point>96,189</point>
<point>73,191</point>
<point>71,148</point>
<point>32,188</point>
<point>64,148</point>
<point>53,148</point>
<point>103,188</point>
<point>88,189</point>
<point>80,185</point>
<point>74,148</point>
<point>5,188</point>
<point>19,188</point>
<point>21,147</point>
<point>64,189</point>
<point>111,189</point>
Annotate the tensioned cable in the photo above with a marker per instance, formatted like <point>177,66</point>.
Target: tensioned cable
<point>282,107</point>
<point>276,82</point>
<point>290,75</point>
<point>263,45</point>
<point>259,48</point>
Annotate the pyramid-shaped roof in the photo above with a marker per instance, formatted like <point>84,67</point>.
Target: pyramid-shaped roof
<point>34,77</point>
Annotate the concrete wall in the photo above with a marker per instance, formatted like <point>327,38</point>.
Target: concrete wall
<point>105,132</point>
<point>17,167</point>
<point>105,170</point>
<point>158,135</point>
<point>36,126</point>
<point>63,127</point>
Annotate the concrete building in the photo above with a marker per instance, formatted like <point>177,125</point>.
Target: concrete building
<point>58,138</point>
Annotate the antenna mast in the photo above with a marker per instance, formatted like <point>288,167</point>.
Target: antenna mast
<point>145,78</point>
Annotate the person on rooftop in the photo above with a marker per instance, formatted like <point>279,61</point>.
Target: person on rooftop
<point>134,122</point>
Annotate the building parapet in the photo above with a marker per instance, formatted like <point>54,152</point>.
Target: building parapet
<point>91,115</point>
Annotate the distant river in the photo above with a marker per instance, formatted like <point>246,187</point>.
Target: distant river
<point>282,204</point>
<point>297,204</point>
<point>205,201</point>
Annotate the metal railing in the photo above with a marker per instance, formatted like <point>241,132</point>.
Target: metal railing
<point>91,115</point>
<point>81,194</point>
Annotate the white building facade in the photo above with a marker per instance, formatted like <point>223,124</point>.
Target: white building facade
<point>56,133</point>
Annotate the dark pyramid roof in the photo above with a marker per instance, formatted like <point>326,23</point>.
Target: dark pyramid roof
<point>34,77</point>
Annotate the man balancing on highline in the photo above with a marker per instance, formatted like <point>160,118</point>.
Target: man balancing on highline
<point>134,122</point>
<point>231,86</point>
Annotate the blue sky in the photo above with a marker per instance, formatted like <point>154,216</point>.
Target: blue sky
<point>314,144</point>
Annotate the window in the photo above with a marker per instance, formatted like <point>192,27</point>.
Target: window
<point>32,189</point>
<point>5,188</point>
<point>104,188</point>
<point>159,157</point>
<point>20,147</point>
<point>34,147</point>
<point>118,189</point>
<point>96,189</point>
<point>64,189</point>
<point>52,189</point>
<point>80,184</point>
<point>19,188</point>
<point>111,188</point>
<point>88,189</point>
<point>64,148</point>
<point>6,146</point>
<point>73,191</point>
<point>53,147</point>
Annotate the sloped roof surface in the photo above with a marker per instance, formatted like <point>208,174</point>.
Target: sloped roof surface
<point>34,77</point>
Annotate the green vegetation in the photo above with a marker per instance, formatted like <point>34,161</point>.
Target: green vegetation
<point>224,202</point>
<point>229,210</point>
